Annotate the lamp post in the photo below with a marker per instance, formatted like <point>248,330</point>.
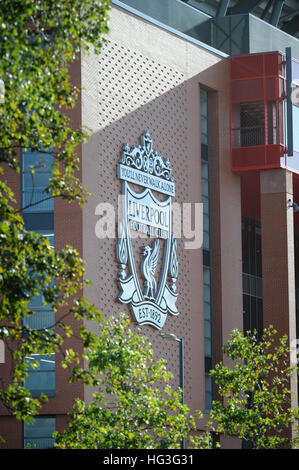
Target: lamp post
<point>173,337</point>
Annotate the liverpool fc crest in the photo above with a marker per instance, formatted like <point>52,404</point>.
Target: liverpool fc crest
<point>147,277</point>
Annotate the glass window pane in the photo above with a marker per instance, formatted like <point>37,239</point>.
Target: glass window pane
<point>246,284</point>
<point>39,222</point>
<point>38,443</point>
<point>36,201</point>
<point>206,207</point>
<point>246,313</point>
<point>208,382</point>
<point>39,162</point>
<point>206,236</point>
<point>207,293</point>
<point>43,318</point>
<point>253,286</point>
<point>38,434</point>
<point>204,149</point>
<point>206,276</point>
<point>36,301</point>
<point>40,427</point>
<point>204,125</point>
<point>253,313</point>
<point>207,310</point>
<point>208,347</point>
<point>207,328</point>
<point>206,240</point>
<point>206,223</point>
<point>204,170</point>
<point>46,362</point>
<point>35,183</point>
<point>48,234</point>
<point>203,103</point>
<point>204,138</point>
<point>41,377</point>
<point>259,287</point>
<point>40,382</point>
<point>205,187</point>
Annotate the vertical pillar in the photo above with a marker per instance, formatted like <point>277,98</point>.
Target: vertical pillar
<point>278,265</point>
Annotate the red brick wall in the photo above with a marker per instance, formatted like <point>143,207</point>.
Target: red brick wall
<point>68,230</point>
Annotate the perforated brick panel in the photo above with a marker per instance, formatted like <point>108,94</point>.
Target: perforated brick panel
<point>125,94</point>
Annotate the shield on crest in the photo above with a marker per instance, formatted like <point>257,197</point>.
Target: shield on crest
<point>150,296</point>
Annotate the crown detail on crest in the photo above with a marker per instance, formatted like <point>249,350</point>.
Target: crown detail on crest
<point>145,159</point>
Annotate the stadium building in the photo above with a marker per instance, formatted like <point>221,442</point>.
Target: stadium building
<point>193,162</point>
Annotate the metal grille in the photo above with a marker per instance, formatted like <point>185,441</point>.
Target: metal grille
<point>248,136</point>
<point>252,128</point>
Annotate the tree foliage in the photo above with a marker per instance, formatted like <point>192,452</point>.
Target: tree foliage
<point>39,39</point>
<point>134,405</point>
<point>255,390</point>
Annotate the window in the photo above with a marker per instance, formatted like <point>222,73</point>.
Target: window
<point>36,171</point>
<point>39,218</point>
<point>207,335</point>
<point>205,185</point>
<point>252,276</point>
<point>206,203</point>
<point>41,379</point>
<point>38,434</point>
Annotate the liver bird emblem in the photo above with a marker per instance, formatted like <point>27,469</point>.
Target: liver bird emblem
<point>148,268</point>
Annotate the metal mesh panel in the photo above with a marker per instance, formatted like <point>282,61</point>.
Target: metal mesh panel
<point>251,130</point>
<point>252,89</point>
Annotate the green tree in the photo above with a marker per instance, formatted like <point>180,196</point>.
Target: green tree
<point>255,390</point>
<point>39,39</point>
<point>134,405</point>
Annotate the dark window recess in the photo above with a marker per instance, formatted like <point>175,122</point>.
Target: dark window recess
<point>251,247</point>
<point>252,276</point>
<point>253,314</point>
<point>204,152</point>
<point>208,364</point>
<point>206,258</point>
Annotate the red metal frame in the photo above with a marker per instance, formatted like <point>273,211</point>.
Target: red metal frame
<point>256,77</point>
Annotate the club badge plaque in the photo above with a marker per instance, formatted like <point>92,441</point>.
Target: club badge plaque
<point>151,299</point>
